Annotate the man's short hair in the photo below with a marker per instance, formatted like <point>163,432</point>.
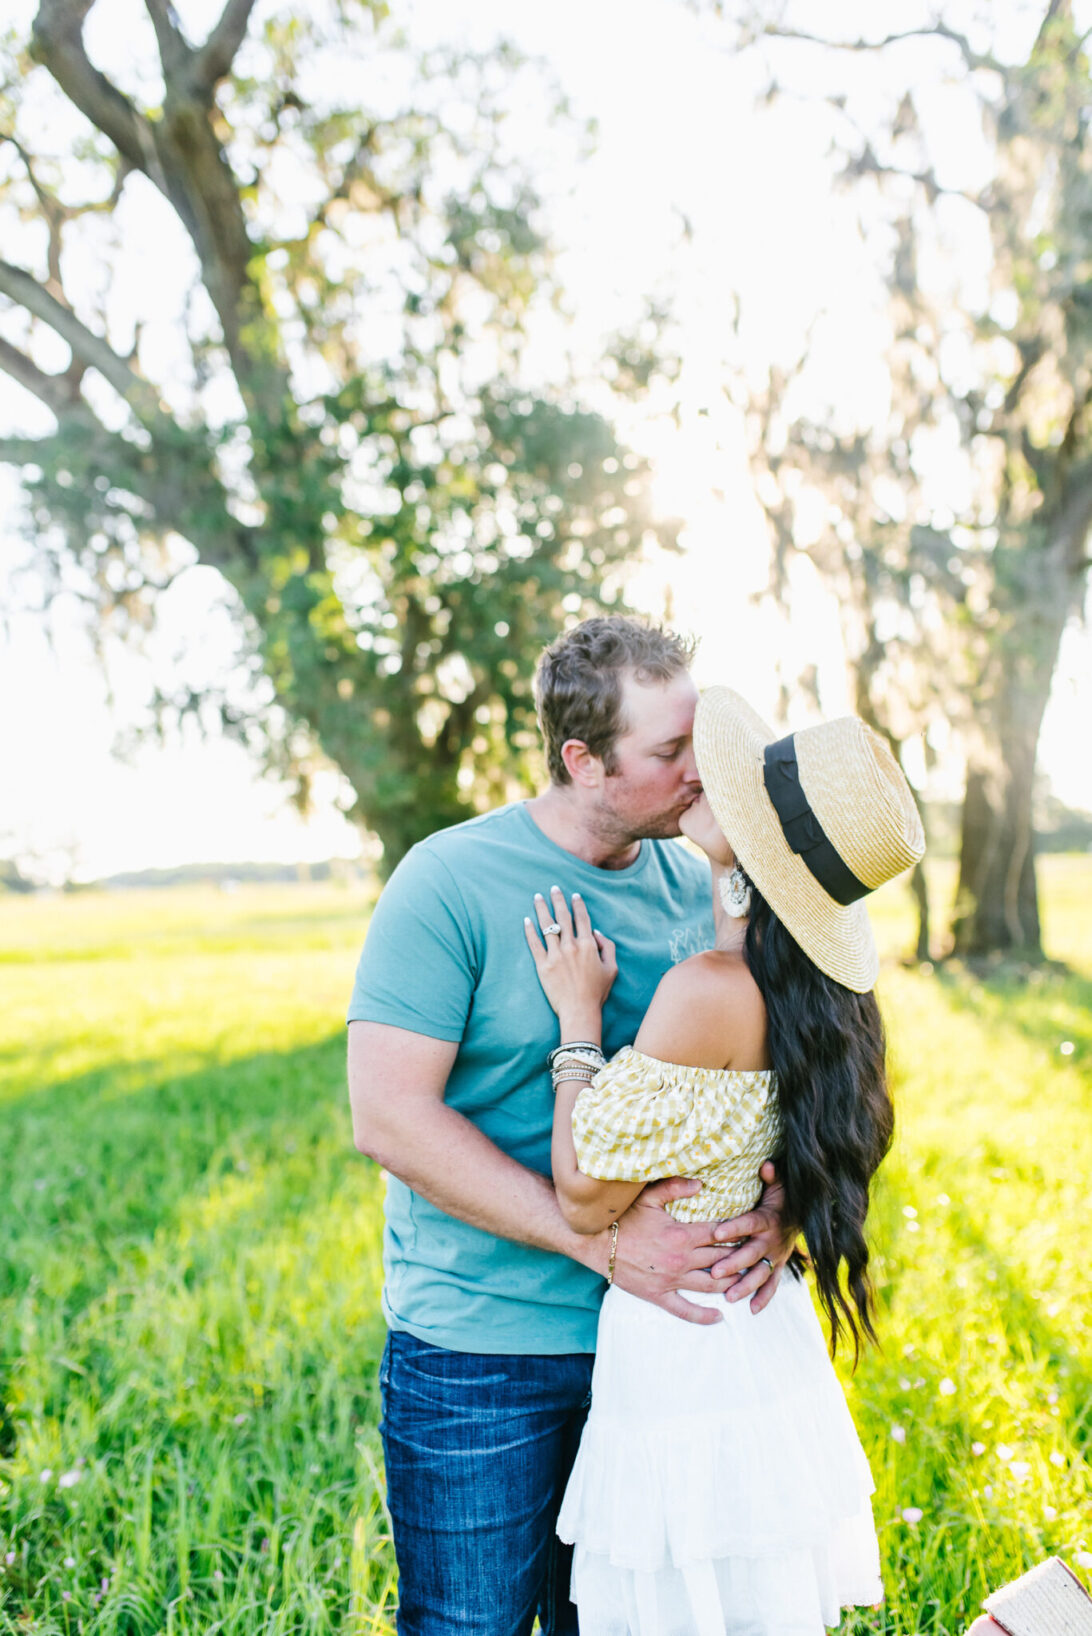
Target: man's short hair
<point>578,686</point>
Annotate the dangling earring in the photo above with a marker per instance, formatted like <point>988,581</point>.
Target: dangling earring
<point>735,893</point>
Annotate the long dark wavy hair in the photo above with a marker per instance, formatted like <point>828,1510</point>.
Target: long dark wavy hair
<point>827,1047</point>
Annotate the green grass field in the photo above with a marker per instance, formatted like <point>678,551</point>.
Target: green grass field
<point>189,1271</point>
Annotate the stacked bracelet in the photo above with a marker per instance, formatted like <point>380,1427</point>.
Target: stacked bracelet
<point>583,1048</point>
<point>577,1061</point>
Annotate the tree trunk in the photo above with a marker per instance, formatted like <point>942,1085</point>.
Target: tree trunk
<point>997,905</point>
<point>997,901</point>
<point>920,888</point>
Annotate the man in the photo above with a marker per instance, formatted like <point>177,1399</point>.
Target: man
<point>492,1301</point>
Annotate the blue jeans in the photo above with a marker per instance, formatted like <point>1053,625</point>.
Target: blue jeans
<point>478,1450</point>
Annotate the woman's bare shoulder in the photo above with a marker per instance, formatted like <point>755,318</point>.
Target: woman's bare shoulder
<point>707,1013</point>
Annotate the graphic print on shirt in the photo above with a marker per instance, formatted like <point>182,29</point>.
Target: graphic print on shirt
<point>686,941</point>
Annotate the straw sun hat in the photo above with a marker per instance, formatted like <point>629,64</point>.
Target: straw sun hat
<point>818,820</point>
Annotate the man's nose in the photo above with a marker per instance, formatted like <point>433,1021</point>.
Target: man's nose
<point>690,767</point>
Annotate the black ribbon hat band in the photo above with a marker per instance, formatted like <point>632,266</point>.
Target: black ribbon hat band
<point>802,829</point>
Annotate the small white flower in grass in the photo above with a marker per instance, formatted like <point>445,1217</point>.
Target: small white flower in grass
<point>70,1561</point>
<point>977,1449</point>
<point>104,1586</point>
<point>10,1558</point>
<point>988,1491</point>
<point>1020,1470</point>
<point>239,1420</point>
<point>947,1388</point>
<point>942,1198</point>
<point>912,1513</point>
<point>218,1577</point>
<point>1083,1559</point>
<point>913,1226</point>
<point>904,1384</point>
<point>68,1479</point>
<point>1057,1458</point>
<point>1052,1397</point>
<point>898,1433</point>
<point>1050,1512</point>
<point>1004,1452</point>
<point>66,1596</point>
<point>1066,1048</point>
<point>909,1212</point>
<point>46,1476</point>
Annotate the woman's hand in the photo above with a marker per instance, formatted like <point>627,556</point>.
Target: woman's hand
<point>576,965</point>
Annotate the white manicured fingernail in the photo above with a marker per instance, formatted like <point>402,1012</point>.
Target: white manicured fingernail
<point>577,895</point>
<point>539,898</point>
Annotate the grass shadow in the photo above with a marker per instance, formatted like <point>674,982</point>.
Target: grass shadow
<point>95,1170</point>
<point>1044,1006</point>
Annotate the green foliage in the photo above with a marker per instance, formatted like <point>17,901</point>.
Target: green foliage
<point>189,1272</point>
<point>403,512</point>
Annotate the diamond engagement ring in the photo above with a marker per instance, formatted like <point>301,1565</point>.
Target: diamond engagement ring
<point>552,930</point>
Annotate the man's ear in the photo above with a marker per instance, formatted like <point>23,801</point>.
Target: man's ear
<point>585,769</point>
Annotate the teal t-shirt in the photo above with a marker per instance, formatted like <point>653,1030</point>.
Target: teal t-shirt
<point>446,956</point>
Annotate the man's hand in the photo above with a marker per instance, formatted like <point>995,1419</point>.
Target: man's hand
<point>659,1256</point>
<point>762,1243</point>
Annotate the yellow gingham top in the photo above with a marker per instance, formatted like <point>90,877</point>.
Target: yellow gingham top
<point>640,1119</point>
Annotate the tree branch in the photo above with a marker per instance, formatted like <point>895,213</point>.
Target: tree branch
<point>866,164</point>
<point>175,51</point>
<point>181,154</point>
<point>58,46</point>
<point>91,349</point>
<point>1030,354</point>
<point>213,60</point>
<point>58,392</point>
<point>54,213</point>
<point>937,30</point>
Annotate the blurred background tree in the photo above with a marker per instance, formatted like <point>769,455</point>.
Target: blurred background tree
<point>954,527</point>
<point>350,437</point>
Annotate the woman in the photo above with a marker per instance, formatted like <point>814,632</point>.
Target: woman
<point>720,1486</point>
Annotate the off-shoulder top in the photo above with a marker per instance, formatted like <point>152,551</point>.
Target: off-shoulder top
<point>641,1119</point>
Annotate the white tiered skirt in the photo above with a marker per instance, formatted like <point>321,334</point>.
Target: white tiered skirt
<point>720,1488</point>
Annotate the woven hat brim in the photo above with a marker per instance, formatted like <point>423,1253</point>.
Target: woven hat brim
<point>730,741</point>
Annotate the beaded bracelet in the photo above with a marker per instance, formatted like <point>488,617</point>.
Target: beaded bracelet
<point>574,1078</point>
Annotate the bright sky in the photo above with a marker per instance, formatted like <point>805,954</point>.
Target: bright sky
<point>677,138</point>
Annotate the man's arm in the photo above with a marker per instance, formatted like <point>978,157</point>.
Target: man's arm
<point>400,1119</point>
<point>397,1080</point>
